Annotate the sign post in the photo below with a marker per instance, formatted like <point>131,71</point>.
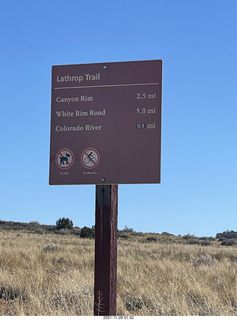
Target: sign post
<point>106,130</point>
<point>105,279</point>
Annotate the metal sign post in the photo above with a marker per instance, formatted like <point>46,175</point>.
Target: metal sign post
<point>105,250</point>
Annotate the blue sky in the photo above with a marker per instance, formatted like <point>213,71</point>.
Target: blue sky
<point>197,41</point>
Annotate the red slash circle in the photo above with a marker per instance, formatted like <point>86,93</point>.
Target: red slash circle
<point>64,158</point>
<point>90,158</point>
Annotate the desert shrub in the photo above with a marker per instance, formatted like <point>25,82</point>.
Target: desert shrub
<point>87,233</point>
<point>151,239</point>
<point>207,238</point>
<point>228,242</point>
<point>205,259</point>
<point>36,223</point>
<point>124,236</point>
<point>193,241</point>
<point>189,236</point>
<point>64,223</point>
<point>75,299</point>
<point>227,234</point>
<point>51,247</point>
<point>10,293</point>
<point>133,303</point>
<point>198,303</point>
<point>127,229</point>
<point>138,234</point>
<point>166,234</point>
<point>39,231</point>
<point>76,232</point>
<point>205,243</point>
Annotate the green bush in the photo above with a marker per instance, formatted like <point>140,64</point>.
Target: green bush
<point>166,234</point>
<point>228,242</point>
<point>228,234</point>
<point>207,238</point>
<point>151,239</point>
<point>64,223</point>
<point>189,236</point>
<point>87,233</point>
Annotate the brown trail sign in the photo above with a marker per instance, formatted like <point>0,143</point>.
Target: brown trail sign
<point>112,110</point>
<point>106,130</point>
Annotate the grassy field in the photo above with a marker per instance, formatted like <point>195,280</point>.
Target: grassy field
<point>52,274</point>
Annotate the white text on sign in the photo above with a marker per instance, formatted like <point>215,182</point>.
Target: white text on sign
<point>78,78</point>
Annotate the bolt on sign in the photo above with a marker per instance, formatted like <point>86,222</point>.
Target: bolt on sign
<point>106,123</point>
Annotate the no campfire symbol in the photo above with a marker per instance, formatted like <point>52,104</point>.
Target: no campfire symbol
<point>90,158</point>
<point>64,158</point>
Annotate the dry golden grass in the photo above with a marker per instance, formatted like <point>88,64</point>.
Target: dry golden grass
<point>53,275</point>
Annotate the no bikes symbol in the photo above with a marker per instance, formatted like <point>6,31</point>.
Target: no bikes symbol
<point>90,158</point>
<point>64,158</point>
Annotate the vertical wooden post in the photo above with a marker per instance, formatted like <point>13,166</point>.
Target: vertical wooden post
<point>105,279</point>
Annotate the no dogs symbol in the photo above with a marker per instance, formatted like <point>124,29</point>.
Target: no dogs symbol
<point>64,158</point>
<point>90,158</point>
